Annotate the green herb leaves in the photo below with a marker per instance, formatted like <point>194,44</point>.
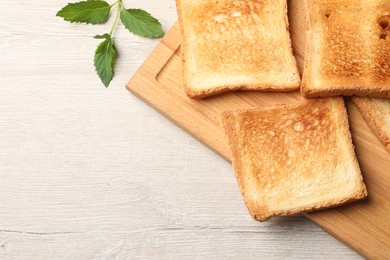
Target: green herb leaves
<point>141,23</point>
<point>104,60</point>
<point>137,21</point>
<point>91,11</point>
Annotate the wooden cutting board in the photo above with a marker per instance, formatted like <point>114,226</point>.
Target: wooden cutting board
<point>364,226</point>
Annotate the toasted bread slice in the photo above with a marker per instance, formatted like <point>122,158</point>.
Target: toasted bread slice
<point>376,112</point>
<point>348,48</point>
<point>292,159</point>
<point>231,45</point>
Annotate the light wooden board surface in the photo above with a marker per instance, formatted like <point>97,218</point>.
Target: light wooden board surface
<point>94,173</point>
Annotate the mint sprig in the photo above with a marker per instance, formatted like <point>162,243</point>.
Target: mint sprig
<point>137,21</point>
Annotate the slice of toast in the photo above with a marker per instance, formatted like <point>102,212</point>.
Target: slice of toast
<point>231,45</point>
<point>376,112</point>
<point>348,48</point>
<point>292,159</point>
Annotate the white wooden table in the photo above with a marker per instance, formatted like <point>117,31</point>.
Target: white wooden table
<point>94,173</point>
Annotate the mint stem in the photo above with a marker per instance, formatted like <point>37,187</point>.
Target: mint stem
<point>115,3</point>
<point>118,11</point>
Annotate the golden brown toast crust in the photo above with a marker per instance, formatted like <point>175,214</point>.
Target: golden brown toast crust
<point>348,49</point>
<point>294,156</point>
<point>225,38</point>
<point>374,118</point>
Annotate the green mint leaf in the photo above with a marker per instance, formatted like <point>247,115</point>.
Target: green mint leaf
<point>104,60</point>
<point>141,23</point>
<point>104,36</point>
<point>91,11</point>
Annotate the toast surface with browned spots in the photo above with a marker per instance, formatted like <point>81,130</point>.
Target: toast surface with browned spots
<point>292,159</point>
<point>231,45</point>
<point>348,48</point>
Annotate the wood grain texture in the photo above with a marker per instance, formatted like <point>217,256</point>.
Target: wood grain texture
<point>364,226</point>
<point>94,173</point>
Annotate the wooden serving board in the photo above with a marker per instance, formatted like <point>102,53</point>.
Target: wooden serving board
<point>364,226</point>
